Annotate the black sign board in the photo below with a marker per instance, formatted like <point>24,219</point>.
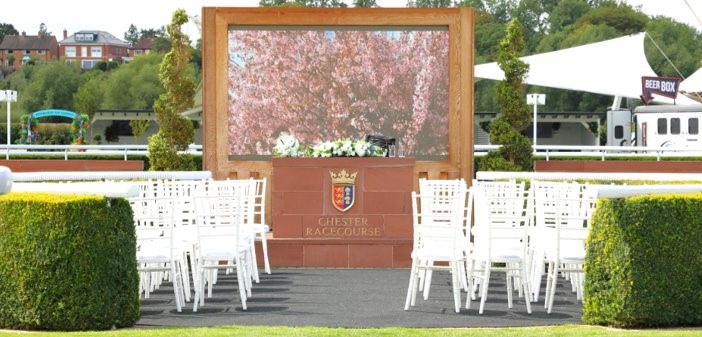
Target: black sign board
<point>664,86</point>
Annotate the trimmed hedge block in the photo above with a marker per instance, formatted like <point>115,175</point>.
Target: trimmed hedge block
<point>67,262</point>
<point>644,262</point>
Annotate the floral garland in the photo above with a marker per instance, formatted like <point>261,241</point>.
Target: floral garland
<point>78,127</point>
<point>288,146</point>
<point>29,130</point>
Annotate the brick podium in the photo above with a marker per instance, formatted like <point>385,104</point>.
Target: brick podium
<point>341,212</point>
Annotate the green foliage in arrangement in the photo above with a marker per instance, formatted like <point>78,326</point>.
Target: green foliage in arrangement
<point>644,262</point>
<point>67,263</point>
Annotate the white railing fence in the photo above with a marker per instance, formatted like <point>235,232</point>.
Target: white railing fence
<point>547,151</point>
<point>83,150</point>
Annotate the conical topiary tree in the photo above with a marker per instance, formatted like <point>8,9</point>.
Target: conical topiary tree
<point>515,154</point>
<point>176,132</point>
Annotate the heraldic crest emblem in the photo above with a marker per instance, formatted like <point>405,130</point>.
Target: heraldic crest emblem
<point>343,189</point>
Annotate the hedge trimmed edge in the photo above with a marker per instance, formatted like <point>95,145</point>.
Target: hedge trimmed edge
<point>67,263</point>
<point>644,262</point>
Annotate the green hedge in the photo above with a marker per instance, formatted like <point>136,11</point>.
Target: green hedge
<point>644,262</point>
<point>67,263</point>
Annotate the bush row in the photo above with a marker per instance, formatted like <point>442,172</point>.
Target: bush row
<point>67,263</point>
<point>644,263</point>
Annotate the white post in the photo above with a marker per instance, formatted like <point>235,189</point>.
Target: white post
<point>534,125</point>
<point>535,99</point>
<point>7,96</point>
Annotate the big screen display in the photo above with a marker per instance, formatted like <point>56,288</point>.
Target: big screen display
<point>322,83</point>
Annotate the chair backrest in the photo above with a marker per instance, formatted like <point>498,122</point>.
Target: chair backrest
<point>259,211</point>
<point>502,216</point>
<point>443,192</point>
<point>563,215</point>
<point>153,220</point>
<point>439,229</point>
<point>221,208</point>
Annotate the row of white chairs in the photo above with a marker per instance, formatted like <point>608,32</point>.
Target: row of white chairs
<point>500,226</point>
<point>199,227</point>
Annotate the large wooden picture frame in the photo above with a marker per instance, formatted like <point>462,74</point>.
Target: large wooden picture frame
<point>216,25</point>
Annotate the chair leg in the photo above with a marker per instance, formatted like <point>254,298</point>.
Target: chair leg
<point>549,281</point>
<point>470,265</point>
<point>177,286</point>
<point>241,281</point>
<point>552,293</point>
<point>412,285</point>
<point>484,289</point>
<point>509,279</point>
<point>264,246</point>
<point>525,285</point>
<point>456,284</point>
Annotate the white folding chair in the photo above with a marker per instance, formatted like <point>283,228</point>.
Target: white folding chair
<point>258,221</point>
<point>445,188</point>
<point>157,256</point>
<point>500,239</point>
<point>438,241</point>
<point>564,219</point>
<point>220,213</point>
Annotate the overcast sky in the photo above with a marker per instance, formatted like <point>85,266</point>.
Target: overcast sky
<point>115,17</point>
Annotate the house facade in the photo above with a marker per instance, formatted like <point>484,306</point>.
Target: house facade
<point>142,47</point>
<point>17,50</point>
<point>87,47</point>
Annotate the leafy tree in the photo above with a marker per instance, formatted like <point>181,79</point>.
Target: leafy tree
<point>679,42</point>
<point>132,35</point>
<point>51,87</point>
<point>42,30</point>
<point>176,132</point>
<point>139,127</point>
<point>429,3</point>
<point>302,3</point>
<point>365,3</point>
<point>196,54</point>
<point>515,152</point>
<point>567,12</point>
<point>90,94</point>
<point>7,29</point>
<point>135,85</point>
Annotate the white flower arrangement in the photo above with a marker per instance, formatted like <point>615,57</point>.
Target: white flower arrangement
<point>286,146</point>
<point>289,146</point>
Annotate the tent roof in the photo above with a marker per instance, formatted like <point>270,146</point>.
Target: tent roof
<point>692,86</point>
<point>613,67</point>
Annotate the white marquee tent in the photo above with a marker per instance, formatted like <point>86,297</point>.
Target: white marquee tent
<point>613,67</point>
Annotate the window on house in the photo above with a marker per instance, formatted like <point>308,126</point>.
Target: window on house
<point>88,64</point>
<point>41,52</point>
<point>662,126</point>
<point>96,51</point>
<point>27,52</point>
<point>137,52</point>
<point>70,51</point>
<point>85,37</point>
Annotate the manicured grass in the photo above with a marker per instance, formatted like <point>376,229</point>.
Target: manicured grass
<point>561,330</point>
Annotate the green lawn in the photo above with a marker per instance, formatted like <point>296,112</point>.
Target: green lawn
<point>561,330</point>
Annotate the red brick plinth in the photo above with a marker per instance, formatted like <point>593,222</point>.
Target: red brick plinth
<point>47,165</point>
<point>313,227</point>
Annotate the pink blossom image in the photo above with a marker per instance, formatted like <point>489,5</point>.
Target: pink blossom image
<point>323,83</point>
